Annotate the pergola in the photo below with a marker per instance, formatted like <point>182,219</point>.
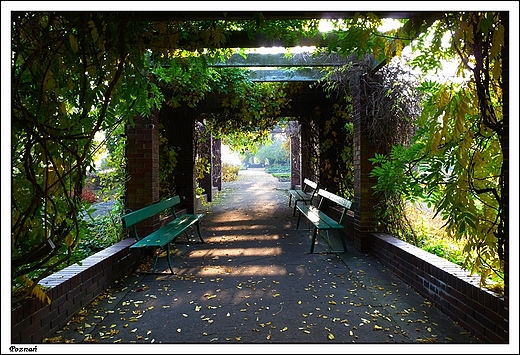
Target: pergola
<point>143,138</point>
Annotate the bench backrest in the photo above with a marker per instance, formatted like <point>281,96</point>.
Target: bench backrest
<point>309,183</point>
<point>132,218</point>
<point>340,201</point>
<point>313,185</point>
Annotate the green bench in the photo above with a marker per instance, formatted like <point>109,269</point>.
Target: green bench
<point>305,195</point>
<point>162,237</point>
<point>321,221</point>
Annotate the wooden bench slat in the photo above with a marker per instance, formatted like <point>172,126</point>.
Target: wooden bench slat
<point>163,236</point>
<point>320,220</point>
<point>135,217</point>
<point>343,202</point>
<point>303,195</point>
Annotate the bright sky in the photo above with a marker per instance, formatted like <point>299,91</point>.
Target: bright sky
<point>325,26</point>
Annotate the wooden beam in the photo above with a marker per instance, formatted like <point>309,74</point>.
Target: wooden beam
<point>281,75</point>
<point>262,15</point>
<point>281,60</point>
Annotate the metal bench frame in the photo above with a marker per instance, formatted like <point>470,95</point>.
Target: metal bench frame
<point>163,236</point>
<point>303,195</point>
<point>322,221</point>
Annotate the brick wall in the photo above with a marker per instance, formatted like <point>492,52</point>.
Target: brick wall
<point>70,290</point>
<point>142,152</point>
<point>447,285</point>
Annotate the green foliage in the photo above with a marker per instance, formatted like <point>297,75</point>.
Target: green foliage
<point>455,161</point>
<point>102,231</point>
<point>445,250</point>
<point>337,136</point>
<point>277,152</point>
<point>251,111</point>
<point>73,74</point>
<point>168,158</point>
<point>278,169</point>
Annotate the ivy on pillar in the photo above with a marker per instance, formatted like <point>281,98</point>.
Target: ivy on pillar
<point>364,221</point>
<point>142,152</point>
<point>216,162</point>
<point>205,157</point>
<point>309,150</point>
<point>293,130</point>
<point>182,135</point>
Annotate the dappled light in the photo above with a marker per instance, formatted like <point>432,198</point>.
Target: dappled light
<point>220,116</point>
<point>265,288</point>
<point>230,252</point>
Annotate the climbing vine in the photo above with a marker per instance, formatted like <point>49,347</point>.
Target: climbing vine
<point>75,74</point>
<point>456,159</point>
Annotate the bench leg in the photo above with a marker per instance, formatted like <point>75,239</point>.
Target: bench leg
<point>298,222</point>
<point>198,231</point>
<point>314,233</point>
<point>342,241</point>
<point>169,261</point>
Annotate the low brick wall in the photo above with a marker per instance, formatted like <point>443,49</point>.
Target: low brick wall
<point>70,290</point>
<point>444,283</point>
<point>447,285</point>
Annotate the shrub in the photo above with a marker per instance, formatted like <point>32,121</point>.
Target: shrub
<point>230,172</point>
<point>88,195</point>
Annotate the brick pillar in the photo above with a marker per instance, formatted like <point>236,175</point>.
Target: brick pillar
<point>181,134</point>
<point>332,141</point>
<point>294,136</point>
<point>216,163</point>
<point>205,147</point>
<point>364,201</point>
<point>307,148</point>
<point>142,152</point>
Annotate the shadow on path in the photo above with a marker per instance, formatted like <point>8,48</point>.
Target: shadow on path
<point>254,281</point>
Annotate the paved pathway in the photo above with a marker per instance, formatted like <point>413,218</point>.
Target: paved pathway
<point>254,282</point>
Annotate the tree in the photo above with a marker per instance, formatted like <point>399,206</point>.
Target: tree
<point>457,158</point>
<point>277,152</point>
<point>73,74</point>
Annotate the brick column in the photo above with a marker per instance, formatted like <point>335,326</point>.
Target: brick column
<point>205,147</point>
<point>363,221</point>
<point>294,136</point>
<point>216,162</point>
<point>307,147</point>
<point>181,134</point>
<point>142,152</point>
